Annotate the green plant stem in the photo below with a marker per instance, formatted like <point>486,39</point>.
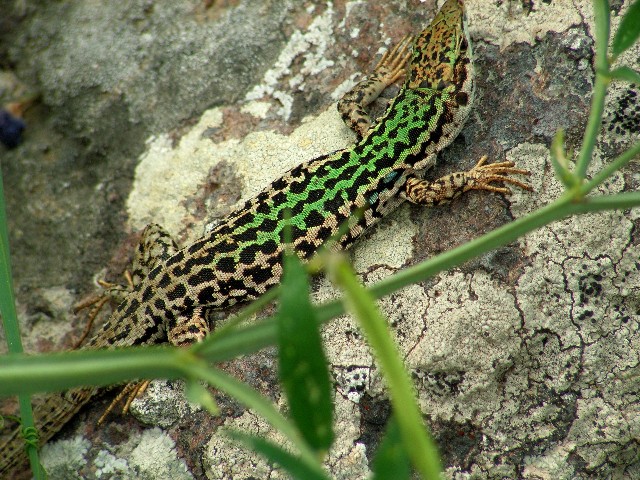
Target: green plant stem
<point>612,167</point>
<point>601,14</point>
<point>107,367</point>
<point>12,331</point>
<point>233,324</point>
<point>62,370</point>
<point>263,333</point>
<point>593,126</point>
<point>619,201</point>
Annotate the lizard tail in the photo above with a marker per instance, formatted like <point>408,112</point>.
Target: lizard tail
<point>50,416</point>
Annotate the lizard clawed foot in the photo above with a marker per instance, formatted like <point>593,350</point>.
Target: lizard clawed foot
<point>391,66</point>
<point>131,391</point>
<point>97,301</point>
<point>482,175</point>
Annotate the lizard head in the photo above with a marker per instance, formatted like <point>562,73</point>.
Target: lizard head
<point>441,58</point>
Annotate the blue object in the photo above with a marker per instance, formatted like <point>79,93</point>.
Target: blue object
<point>10,129</point>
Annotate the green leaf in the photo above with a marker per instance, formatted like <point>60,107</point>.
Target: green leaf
<point>196,393</point>
<point>416,440</point>
<point>246,395</point>
<point>559,161</point>
<point>626,74</point>
<point>391,460</point>
<point>296,467</point>
<point>303,366</point>
<point>629,30</point>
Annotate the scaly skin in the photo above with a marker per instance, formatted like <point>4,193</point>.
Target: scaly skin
<point>241,258</point>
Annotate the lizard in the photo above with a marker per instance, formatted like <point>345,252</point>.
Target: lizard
<point>171,289</point>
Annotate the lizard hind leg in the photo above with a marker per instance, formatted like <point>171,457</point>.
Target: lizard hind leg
<point>111,292</point>
<point>131,391</point>
<point>184,330</point>
<point>389,69</point>
<point>155,245</point>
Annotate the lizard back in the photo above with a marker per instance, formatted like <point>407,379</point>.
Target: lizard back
<point>241,258</point>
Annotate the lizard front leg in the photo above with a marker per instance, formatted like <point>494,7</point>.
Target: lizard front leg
<point>448,187</point>
<point>182,330</point>
<point>389,69</point>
